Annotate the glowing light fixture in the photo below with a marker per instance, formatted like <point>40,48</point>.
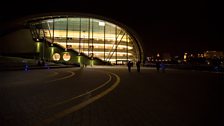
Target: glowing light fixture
<point>66,56</point>
<point>79,59</point>
<point>38,47</point>
<point>52,50</point>
<point>56,57</point>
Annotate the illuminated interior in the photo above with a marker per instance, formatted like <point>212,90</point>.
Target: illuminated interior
<point>93,37</point>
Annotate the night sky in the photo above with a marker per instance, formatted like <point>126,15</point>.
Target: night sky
<point>164,26</point>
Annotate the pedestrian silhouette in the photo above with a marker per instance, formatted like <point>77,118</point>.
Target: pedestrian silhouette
<point>129,66</point>
<point>157,66</point>
<point>39,63</point>
<point>162,66</point>
<point>42,62</point>
<point>138,66</point>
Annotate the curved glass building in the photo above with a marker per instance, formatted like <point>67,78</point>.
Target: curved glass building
<point>91,36</point>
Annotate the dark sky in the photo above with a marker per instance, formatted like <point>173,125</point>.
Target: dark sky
<point>164,26</point>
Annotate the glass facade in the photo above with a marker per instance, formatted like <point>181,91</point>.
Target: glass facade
<point>91,36</point>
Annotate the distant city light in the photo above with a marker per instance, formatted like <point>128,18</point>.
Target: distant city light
<point>185,57</point>
<point>148,58</point>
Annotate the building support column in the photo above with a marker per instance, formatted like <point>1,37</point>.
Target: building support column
<point>79,35</point>
<point>92,40</point>
<point>116,44</point>
<point>88,36</point>
<point>66,39</point>
<point>104,42</point>
<point>127,45</point>
<point>53,32</point>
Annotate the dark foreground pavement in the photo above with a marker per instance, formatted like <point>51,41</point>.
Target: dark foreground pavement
<point>151,98</point>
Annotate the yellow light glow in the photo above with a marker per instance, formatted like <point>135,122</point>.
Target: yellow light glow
<point>95,44</point>
<point>100,52</point>
<point>66,56</point>
<point>101,23</point>
<point>72,38</point>
<point>38,47</point>
<point>79,59</point>
<point>113,60</point>
<point>185,56</point>
<point>52,50</point>
<point>56,57</point>
<point>75,34</point>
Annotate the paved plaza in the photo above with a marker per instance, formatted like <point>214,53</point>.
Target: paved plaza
<point>110,96</point>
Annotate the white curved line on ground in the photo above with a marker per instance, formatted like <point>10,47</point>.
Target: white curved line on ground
<point>62,78</point>
<point>80,105</point>
<point>88,92</point>
<point>54,73</point>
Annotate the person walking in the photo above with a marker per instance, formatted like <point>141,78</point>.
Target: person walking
<point>129,66</point>
<point>162,66</point>
<point>138,66</point>
<point>157,65</point>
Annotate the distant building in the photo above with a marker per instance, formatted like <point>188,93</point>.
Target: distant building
<point>166,56</point>
<point>206,57</point>
<point>163,57</point>
<point>213,54</point>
